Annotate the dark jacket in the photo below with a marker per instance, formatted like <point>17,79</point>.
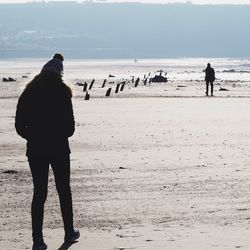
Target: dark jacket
<point>44,116</point>
<point>210,74</point>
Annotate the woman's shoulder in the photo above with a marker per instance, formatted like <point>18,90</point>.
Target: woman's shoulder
<point>67,90</point>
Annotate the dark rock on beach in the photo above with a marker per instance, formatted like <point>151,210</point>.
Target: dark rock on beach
<point>223,89</point>
<point>10,172</point>
<point>9,79</point>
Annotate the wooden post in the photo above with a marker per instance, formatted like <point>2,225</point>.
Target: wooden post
<point>123,85</point>
<point>117,88</point>
<point>104,82</point>
<point>85,86</point>
<point>91,84</point>
<point>87,96</point>
<point>108,92</point>
<point>137,82</point>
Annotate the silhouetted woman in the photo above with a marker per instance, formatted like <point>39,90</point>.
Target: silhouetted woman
<point>44,117</point>
<point>209,78</point>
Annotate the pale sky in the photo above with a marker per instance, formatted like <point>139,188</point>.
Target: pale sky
<point>143,1</point>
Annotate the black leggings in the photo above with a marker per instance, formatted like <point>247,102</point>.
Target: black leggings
<point>207,87</point>
<point>40,169</point>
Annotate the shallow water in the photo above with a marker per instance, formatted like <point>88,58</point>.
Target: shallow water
<point>177,69</point>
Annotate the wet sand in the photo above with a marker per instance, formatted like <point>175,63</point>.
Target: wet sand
<point>147,173</point>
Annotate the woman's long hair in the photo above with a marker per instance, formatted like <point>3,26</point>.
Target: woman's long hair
<point>48,80</point>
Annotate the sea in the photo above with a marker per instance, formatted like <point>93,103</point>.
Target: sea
<point>234,69</point>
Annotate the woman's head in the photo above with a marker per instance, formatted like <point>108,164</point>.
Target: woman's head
<point>50,76</point>
<point>59,57</point>
<point>55,65</point>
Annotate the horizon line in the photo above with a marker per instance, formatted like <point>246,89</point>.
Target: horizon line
<point>122,2</point>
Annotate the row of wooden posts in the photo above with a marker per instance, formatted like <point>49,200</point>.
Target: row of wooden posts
<point>119,86</point>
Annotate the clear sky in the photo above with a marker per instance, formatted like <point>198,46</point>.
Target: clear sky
<point>143,1</point>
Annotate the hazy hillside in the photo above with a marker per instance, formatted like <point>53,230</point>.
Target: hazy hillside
<point>125,30</point>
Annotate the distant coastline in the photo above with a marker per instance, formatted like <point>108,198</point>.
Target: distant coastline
<point>124,30</point>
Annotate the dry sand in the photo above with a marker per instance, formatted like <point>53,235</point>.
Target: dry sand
<point>148,171</point>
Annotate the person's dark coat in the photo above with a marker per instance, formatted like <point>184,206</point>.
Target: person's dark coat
<point>210,74</point>
<point>44,116</point>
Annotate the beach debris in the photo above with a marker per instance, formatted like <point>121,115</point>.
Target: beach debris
<point>229,71</point>
<point>122,168</point>
<point>79,84</point>
<point>24,76</point>
<point>117,88</point>
<point>104,82</point>
<point>9,79</point>
<point>10,172</point>
<point>243,71</point>
<point>87,96</point>
<point>159,77</point>
<point>91,84</point>
<point>111,75</point>
<point>241,209</point>
<point>108,92</point>
<point>223,89</point>
<point>120,236</point>
<point>181,86</point>
<point>133,79</point>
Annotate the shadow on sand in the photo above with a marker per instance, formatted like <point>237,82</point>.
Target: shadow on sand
<point>66,246</point>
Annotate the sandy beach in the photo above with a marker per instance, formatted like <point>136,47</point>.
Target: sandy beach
<point>159,166</point>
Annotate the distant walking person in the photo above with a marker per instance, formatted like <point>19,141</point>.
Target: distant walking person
<point>209,78</point>
<point>44,117</point>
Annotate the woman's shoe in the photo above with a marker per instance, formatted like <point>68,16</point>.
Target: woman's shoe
<point>72,236</point>
<point>39,245</point>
